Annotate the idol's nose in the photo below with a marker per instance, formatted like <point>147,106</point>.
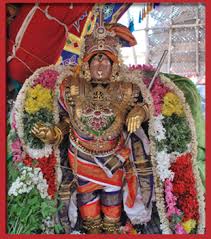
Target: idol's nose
<point>100,73</point>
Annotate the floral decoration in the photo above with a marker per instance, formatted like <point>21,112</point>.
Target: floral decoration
<point>189,225</point>
<point>47,78</point>
<point>173,153</point>
<point>128,229</point>
<point>171,133</point>
<point>184,187</point>
<point>47,166</point>
<point>163,166</point>
<point>17,151</point>
<point>29,179</point>
<point>159,130</point>
<point>38,98</point>
<point>177,134</point>
<point>179,229</point>
<point>172,105</point>
<point>35,161</point>
<point>158,91</point>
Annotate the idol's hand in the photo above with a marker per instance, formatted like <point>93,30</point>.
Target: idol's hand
<point>134,119</point>
<point>46,134</point>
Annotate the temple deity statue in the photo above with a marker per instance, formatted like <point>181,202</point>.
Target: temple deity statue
<point>114,147</point>
<point>99,110</point>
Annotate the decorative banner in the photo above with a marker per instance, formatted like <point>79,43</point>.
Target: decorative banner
<point>146,10</point>
<point>131,25</point>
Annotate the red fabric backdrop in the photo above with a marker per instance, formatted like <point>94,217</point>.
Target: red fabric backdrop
<point>43,39</point>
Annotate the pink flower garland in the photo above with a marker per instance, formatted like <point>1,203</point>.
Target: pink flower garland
<point>13,124</point>
<point>143,67</point>
<point>47,79</point>
<point>179,229</point>
<point>172,210</point>
<point>17,150</point>
<point>170,199</point>
<point>158,90</point>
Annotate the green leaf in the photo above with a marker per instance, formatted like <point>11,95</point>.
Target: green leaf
<point>178,134</point>
<point>58,228</point>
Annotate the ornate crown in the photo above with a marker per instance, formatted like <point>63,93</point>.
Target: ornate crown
<point>106,38</point>
<point>101,40</point>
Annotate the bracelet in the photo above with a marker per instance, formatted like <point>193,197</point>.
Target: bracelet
<point>146,109</point>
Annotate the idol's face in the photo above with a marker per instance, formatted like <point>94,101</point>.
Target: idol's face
<point>100,67</point>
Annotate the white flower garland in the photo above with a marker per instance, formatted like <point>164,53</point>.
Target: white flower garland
<point>159,131</point>
<point>163,164</point>
<point>29,179</point>
<point>39,153</point>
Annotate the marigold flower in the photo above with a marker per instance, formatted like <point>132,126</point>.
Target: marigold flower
<point>38,98</point>
<point>189,225</point>
<point>172,105</point>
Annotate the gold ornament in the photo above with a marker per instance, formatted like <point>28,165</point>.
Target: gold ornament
<point>115,72</point>
<point>111,225</point>
<point>85,71</point>
<point>93,225</point>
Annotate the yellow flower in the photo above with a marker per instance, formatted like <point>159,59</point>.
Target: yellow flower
<point>172,104</point>
<point>38,98</point>
<point>133,231</point>
<point>189,225</point>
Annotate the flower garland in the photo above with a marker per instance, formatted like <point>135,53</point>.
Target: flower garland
<point>193,151</point>
<point>38,98</point>
<point>172,135</point>
<point>163,166</point>
<point>47,166</point>
<point>159,130</point>
<point>173,212</point>
<point>171,132</point>
<point>27,104</point>
<point>49,74</point>
<point>29,179</point>
<point>37,101</point>
<point>173,110</point>
<point>17,151</point>
<point>172,105</point>
<point>177,135</point>
<point>183,187</point>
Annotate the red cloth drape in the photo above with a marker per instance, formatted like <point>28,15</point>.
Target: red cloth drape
<point>43,39</point>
